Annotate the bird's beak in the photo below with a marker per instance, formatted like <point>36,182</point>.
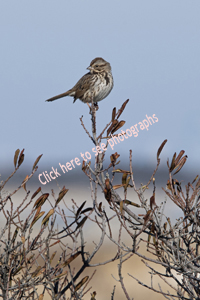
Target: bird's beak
<point>91,69</point>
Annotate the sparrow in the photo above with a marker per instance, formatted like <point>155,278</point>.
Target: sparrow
<point>93,86</point>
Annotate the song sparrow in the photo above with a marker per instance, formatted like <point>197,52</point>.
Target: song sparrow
<point>95,85</point>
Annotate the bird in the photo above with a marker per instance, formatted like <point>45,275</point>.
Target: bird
<point>94,86</point>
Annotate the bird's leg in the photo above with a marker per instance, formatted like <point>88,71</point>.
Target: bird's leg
<point>96,106</point>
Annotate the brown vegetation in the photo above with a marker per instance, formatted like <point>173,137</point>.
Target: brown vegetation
<point>27,258</point>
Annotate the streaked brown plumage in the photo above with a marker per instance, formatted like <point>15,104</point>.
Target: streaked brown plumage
<point>95,85</point>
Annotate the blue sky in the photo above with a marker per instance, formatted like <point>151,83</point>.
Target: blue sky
<point>46,46</point>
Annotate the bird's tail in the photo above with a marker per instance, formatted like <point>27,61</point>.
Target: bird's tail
<point>68,93</point>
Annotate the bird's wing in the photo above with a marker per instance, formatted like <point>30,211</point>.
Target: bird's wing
<point>82,86</point>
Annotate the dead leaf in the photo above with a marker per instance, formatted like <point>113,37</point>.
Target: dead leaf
<point>81,222</point>
<point>117,186</point>
<point>122,108</point>
<point>61,195</point>
<point>173,162</point>
<point>71,258</point>
<point>36,272</point>
<point>179,157</point>
<point>93,296</point>
<point>16,157</point>
<point>124,178</point>
<point>52,256</point>
<point>79,285</point>
<point>160,148</point>
<point>107,190</point>
<point>114,157</point>
<point>37,218</point>
<point>147,217</point>
<point>120,171</point>
<point>80,208</point>
<point>118,126</point>
<point>195,179</point>
<point>59,276</point>
<point>54,243</point>
<point>86,210</point>
<point>24,185</point>
<point>40,201</point>
<point>21,158</point>
<point>100,207</point>
<point>113,113</point>
<point>181,164</point>
<point>127,183</point>
<point>114,123</point>
<point>128,202</point>
<point>152,201</point>
<point>36,161</point>
<point>35,194</point>
<point>48,215</point>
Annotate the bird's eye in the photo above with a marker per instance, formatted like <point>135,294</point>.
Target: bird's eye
<point>97,66</point>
